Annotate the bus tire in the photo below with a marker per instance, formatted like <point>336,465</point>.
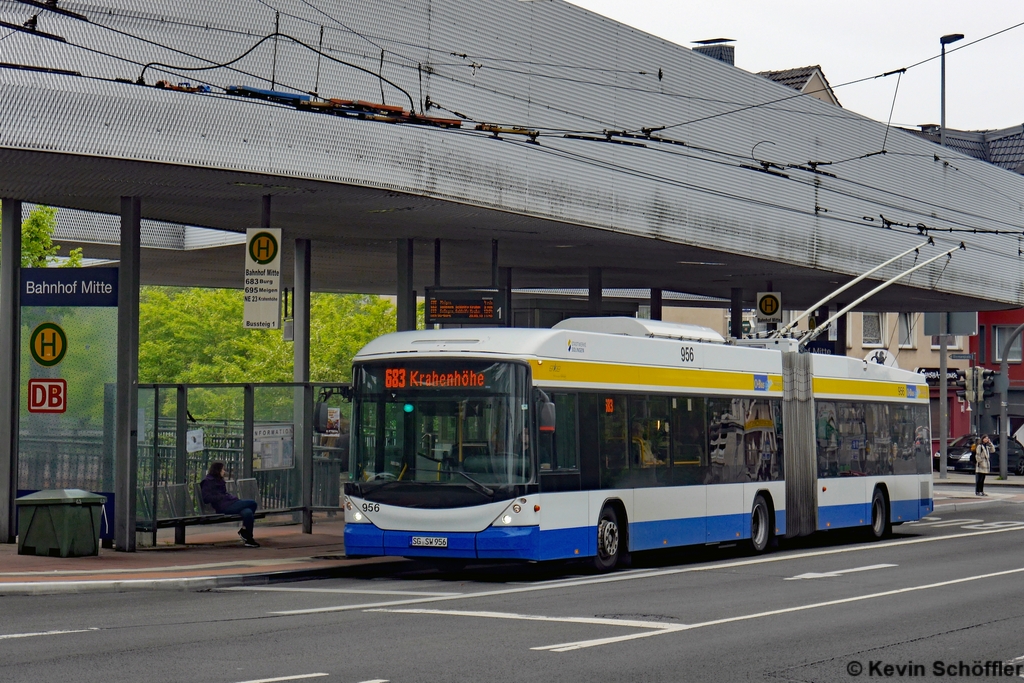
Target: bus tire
<point>880,524</point>
<point>609,540</point>
<point>762,525</point>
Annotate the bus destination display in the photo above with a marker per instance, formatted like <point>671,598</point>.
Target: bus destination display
<point>464,305</point>
<point>427,378</point>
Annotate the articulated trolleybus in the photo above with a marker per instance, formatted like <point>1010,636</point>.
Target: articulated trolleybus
<point>604,436</point>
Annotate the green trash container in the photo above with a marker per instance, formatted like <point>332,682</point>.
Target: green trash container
<point>60,523</point>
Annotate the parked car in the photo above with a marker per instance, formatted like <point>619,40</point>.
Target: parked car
<point>960,456</point>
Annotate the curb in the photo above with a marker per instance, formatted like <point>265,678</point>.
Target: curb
<point>185,583</point>
<point>958,507</point>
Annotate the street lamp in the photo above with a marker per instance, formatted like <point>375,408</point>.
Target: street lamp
<point>943,339</point>
<point>944,41</point>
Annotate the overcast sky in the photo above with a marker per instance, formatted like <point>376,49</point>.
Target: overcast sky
<point>853,39</point>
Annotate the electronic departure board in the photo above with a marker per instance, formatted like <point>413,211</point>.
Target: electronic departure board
<point>465,305</point>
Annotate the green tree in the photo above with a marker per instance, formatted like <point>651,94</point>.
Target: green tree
<point>37,247</point>
<point>195,335</point>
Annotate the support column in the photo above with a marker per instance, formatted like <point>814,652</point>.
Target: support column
<point>506,285</point>
<point>494,263</point>
<point>127,423</point>
<point>303,433</point>
<point>736,308</point>
<point>406,312</point>
<point>596,289</point>
<point>10,363</point>
<point>180,451</point>
<point>437,262</point>
<point>300,310</point>
<point>655,304</point>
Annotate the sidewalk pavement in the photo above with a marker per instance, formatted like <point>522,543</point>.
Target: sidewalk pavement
<point>214,556</point>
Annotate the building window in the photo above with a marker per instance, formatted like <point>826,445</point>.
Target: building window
<point>1000,333</point>
<point>952,342</point>
<point>872,331</point>
<point>981,345</point>
<point>906,325</point>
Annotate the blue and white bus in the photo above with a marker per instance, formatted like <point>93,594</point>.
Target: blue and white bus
<point>604,436</point>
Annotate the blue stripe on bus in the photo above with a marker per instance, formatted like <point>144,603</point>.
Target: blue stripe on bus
<point>859,514</point>
<point>530,543</point>
<point>512,542</point>
<point>666,533</point>
<point>363,539</point>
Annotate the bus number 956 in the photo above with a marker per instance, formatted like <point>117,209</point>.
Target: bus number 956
<point>687,354</point>
<point>371,507</point>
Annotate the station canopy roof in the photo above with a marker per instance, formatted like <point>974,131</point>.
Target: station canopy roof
<point>580,143</point>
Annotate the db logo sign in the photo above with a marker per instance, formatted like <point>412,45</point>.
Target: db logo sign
<point>47,396</point>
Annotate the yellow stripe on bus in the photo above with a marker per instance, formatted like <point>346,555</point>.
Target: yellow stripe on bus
<point>614,374</point>
<point>863,387</point>
<point>610,374</point>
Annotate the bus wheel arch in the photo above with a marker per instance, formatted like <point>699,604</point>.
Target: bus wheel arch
<point>612,535</point>
<point>762,523</point>
<point>881,523</point>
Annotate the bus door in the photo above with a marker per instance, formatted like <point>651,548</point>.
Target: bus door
<point>727,518</point>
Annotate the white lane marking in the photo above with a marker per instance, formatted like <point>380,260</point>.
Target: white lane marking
<point>612,578</point>
<point>838,572</point>
<point>377,680</point>
<point>952,522</point>
<point>285,678</point>
<point>45,633</point>
<point>1005,524</point>
<point>580,644</point>
<point>653,627</point>
<point>348,591</point>
<point>599,621</point>
<point>566,647</point>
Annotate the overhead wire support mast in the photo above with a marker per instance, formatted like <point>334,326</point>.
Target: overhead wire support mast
<point>810,335</point>
<point>851,283</point>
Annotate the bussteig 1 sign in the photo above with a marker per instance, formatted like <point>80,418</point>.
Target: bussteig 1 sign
<point>263,279</point>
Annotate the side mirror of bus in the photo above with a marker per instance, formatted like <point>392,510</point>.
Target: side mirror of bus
<point>546,418</point>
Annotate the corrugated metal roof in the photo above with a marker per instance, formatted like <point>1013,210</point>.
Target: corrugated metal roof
<point>643,212</point>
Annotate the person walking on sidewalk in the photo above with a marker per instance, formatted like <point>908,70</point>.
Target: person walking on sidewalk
<point>982,464</point>
<point>215,494</point>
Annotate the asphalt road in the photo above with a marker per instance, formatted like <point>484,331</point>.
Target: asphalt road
<point>949,589</point>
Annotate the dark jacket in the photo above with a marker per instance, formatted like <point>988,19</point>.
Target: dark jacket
<point>215,493</point>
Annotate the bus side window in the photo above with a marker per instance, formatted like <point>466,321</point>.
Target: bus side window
<point>558,451</point>
<point>689,440</point>
<point>613,444</point>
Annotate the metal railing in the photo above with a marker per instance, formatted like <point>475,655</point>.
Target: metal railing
<point>263,432</point>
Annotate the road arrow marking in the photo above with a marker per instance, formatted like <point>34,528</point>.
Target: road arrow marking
<point>827,575</point>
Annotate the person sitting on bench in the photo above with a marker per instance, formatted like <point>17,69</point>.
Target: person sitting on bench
<point>215,493</point>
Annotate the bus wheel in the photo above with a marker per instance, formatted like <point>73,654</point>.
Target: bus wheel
<point>760,525</point>
<point>880,524</point>
<point>608,538</point>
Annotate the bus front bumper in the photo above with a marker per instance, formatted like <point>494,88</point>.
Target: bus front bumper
<point>508,543</point>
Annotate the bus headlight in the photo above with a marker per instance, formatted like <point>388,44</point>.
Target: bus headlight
<point>358,516</point>
<point>507,519</point>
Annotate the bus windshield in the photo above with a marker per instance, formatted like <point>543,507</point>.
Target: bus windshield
<point>463,423</point>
